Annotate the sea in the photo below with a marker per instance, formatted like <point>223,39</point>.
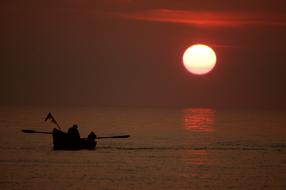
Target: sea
<point>169,148</point>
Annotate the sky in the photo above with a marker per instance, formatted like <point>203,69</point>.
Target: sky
<point>129,53</point>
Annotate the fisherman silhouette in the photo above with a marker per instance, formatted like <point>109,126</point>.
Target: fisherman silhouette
<point>91,136</point>
<point>73,134</point>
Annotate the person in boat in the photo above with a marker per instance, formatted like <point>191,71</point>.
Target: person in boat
<point>73,134</point>
<point>91,136</point>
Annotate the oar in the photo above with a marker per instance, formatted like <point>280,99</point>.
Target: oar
<point>32,131</point>
<point>120,136</point>
<point>44,132</point>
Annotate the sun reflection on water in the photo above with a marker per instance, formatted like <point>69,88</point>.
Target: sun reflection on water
<point>199,119</point>
<point>199,157</point>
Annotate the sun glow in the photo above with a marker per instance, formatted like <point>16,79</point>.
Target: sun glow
<point>199,59</point>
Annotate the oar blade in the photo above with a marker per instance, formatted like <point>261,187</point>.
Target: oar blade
<point>121,136</point>
<point>28,131</point>
<point>113,137</point>
<point>32,131</point>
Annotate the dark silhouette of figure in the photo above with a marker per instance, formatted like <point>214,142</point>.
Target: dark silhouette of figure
<point>74,134</point>
<point>91,136</point>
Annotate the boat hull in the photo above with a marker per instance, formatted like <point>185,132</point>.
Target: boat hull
<point>61,141</point>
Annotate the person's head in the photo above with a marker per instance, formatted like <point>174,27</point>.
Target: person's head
<point>75,126</point>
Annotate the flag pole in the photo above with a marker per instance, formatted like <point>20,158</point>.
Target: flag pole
<point>58,126</point>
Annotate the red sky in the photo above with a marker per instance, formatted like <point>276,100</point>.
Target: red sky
<point>128,52</point>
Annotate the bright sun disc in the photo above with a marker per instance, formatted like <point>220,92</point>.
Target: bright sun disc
<point>199,59</point>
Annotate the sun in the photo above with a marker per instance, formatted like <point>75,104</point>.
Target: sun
<point>199,59</point>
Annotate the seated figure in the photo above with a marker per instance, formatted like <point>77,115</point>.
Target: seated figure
<point>73,133</point>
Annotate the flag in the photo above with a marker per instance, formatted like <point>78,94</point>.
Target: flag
<point>51,119</point>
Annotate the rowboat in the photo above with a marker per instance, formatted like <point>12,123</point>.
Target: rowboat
<point>62,141</point>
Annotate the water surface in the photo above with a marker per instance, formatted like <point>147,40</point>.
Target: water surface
<point>189,148</point>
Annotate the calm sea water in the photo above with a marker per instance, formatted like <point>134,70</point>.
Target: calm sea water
<point>168,149</point>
